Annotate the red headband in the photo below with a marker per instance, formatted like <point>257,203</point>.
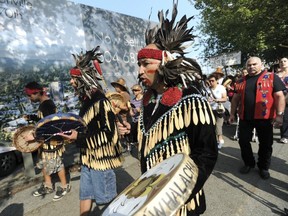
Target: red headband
<point>32,91</point>
<point>75,72</point>
<point>150,53</point>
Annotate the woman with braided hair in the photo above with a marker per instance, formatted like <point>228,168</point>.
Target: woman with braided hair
<point>174,109</point>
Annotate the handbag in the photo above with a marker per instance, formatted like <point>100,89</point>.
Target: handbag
<point>220,108</point>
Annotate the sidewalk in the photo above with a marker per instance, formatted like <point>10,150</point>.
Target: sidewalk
<point>228,193</point>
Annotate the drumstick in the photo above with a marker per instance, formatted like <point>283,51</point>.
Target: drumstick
<point>63,132</point>
<point>121,121</point>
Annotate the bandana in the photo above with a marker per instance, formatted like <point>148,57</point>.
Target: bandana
<point>29,91</point>
<point>150,53</point>
<point>75,72</point>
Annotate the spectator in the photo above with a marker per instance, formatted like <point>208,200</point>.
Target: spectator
<point>120,87</point>
<point>229,84</point>
<point>125,110</point>
<point>244,72</point>
<point>136,105</point>
<point>217,95</point>
<point>258,95</point>
<point>219,75</point>
<point>50,160</point>
<point>283,74</point>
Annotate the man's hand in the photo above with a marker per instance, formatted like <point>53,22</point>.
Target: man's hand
<point>123,128</point>
<point>278,121</point>
<point>29,137</point>
<point>69,136</point>
<point>231,118</point>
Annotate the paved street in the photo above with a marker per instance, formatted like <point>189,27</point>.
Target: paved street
<point>228,192</point>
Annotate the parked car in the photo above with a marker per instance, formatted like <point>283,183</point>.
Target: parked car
<point>9,159</point>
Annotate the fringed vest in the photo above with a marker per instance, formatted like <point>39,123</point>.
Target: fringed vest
<point>100,148</point>
<point>264,108</point>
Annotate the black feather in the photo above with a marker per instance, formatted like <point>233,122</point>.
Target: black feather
<point>88,81</point>
<point>170,35</point>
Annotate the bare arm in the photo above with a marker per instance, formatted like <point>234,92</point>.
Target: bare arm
<point>279,101</point>
<point>223,98</point>
<point>279,104</point>
<point>234,105</point>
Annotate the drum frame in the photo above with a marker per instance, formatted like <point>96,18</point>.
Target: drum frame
<point>20,133</point>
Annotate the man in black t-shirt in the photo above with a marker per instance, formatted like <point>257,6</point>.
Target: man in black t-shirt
<point>259,95</point>
<point>50,160</point>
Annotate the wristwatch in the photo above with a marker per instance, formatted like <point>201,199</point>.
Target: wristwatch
<point>280,113</point>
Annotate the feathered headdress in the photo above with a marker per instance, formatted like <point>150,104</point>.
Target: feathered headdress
<point>171,39</point>
<point>88,71</point>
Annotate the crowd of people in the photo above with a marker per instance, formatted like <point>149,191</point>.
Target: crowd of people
<point>174,109</point>
<point>256,102</point>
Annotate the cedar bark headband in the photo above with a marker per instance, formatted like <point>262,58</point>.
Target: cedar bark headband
<point>150,53</point>
<point>75,72</point>
<point>32,91</point>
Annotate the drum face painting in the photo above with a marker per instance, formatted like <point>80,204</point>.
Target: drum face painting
<point>19,139</point>
<point>48,128</point>
<point>162,190</point>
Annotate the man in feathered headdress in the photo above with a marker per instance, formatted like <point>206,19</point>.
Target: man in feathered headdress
<point>100,149</point>
<point>174,110</point>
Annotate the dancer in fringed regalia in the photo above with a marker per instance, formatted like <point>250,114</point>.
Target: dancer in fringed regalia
<point>176,117</point>
<point>100,149</point>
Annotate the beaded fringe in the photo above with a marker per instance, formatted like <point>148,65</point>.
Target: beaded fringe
<point>191,205</point>
<point>189,110</point>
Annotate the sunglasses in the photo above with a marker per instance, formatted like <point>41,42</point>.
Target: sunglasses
<point>135,90</point>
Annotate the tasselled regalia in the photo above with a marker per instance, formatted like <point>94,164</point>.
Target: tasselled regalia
<point>52,148</point>
<point>181,119</point>
<point>100,147</point>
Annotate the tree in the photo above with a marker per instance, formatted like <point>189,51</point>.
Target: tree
<point>258,27</point>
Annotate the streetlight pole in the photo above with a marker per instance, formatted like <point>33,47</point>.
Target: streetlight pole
<point>224,64</point>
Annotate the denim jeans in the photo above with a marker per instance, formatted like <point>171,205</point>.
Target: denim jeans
<point>98,185</point>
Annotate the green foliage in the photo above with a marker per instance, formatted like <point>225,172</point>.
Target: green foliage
<point>253,27</point>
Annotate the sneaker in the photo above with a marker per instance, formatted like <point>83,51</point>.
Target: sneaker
<point>61,192</point>
<point>284,140</point>
<point>43,190</point>
<point>220,144</point>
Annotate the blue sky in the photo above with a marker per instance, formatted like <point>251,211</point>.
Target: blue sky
<point>143,8</point>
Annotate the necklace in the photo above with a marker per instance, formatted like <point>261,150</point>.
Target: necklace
<point>169,98</point>
<point>157,100</point>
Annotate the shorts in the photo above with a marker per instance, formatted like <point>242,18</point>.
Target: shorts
<point>51,165</point>
<point>97,185</point>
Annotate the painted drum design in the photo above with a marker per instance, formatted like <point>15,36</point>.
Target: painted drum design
<point>162,190</point>
<point>21,144</point>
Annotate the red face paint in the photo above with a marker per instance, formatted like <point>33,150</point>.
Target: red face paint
<point>151,71</point>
